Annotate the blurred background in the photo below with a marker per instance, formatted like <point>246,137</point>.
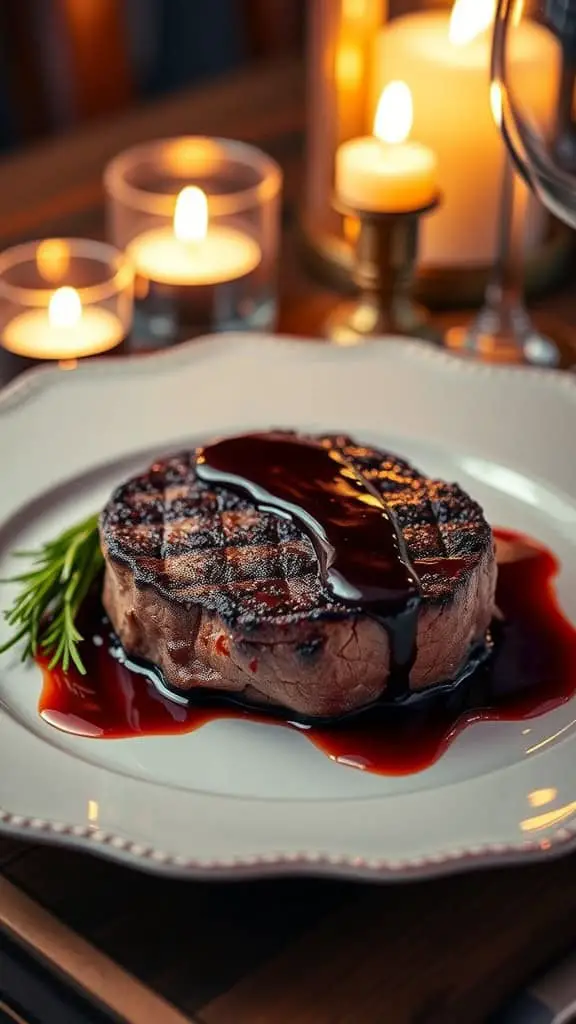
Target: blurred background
<point>64,62</point>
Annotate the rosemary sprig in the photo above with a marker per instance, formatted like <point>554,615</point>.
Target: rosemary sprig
<point>51,593</point>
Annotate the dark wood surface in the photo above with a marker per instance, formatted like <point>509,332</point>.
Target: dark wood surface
<point>305,951</point>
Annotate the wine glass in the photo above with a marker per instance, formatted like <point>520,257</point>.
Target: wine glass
<point>531,92</point>
<point>542,149</point>
<point>549,167</point>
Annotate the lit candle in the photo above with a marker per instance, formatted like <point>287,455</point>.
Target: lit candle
<point>191,250</point>
<point>383,172</point>
<point>64,330</point>
<point>445,60</point>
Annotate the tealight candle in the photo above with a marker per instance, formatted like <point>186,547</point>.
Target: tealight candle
<point>62,300</point>
<point>199,220</point>
<point>64,330</point>
<point>191,251</point>
<point>383,172</point>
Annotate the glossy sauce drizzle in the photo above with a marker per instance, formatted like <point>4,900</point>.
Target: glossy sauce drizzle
<point>532,670</point>
<point>361,553</point>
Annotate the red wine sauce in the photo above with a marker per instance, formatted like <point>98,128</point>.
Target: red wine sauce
<point>361,552</point>
<point>532,670</point>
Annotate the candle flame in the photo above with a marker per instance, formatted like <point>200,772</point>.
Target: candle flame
<point>65,308</point>
<point>394,113</point>
<point>191,215</point>
<point>470,18</point>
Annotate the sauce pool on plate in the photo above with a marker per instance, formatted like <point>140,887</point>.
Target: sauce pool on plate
<point>532,670</point>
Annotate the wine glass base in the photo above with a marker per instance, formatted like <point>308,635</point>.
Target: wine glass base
<point>550,345</point>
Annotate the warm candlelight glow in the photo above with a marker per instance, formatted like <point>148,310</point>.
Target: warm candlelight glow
<point>192,250</point>
<point>354,9</point>
<point>470,18</point>
<point>64,330</point>
<point>496,102</point>
<point>394,113</point>
<point>65,308</point>
<point>349,66</point>
<point>540,797</point>
<point>53,259</point>
<point>541,821</point>
<point>191,215</point>
<point>444,58</point>
<point>345,61</point>
<point>384,172</point>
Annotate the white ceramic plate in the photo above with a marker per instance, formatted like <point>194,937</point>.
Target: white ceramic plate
<point>236,797</point>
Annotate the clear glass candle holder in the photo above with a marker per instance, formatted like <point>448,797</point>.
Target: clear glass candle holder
<point>199,219</point>
<point>62,300</point>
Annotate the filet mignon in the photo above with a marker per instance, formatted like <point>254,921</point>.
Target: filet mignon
<point>222,595</point>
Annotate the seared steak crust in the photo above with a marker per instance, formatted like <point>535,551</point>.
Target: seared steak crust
<point>221,595</point>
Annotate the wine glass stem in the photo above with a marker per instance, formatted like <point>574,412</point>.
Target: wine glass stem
<point>503,322</point>
<point>504,291</point>
<point>506,276</point>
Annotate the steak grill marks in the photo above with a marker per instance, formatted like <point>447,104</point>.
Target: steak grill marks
<point>208,549</point>
<point>194,542</point>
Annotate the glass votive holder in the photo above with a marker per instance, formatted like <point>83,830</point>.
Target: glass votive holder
<point>62,300</point>
<point>199,219</point>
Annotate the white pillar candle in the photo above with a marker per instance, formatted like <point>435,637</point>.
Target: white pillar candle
<point>383,172</point>
<point>63,330</point>
<point>191,251</point>
<point>446,64</point>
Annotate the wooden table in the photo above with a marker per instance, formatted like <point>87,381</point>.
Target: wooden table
<point>305,951</point>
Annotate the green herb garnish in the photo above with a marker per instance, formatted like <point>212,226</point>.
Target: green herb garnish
<point>51,594</point>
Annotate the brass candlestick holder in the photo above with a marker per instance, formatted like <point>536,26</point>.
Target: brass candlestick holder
<point>383,272</point>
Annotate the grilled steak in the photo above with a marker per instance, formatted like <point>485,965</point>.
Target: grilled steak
<point>222,595</point>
